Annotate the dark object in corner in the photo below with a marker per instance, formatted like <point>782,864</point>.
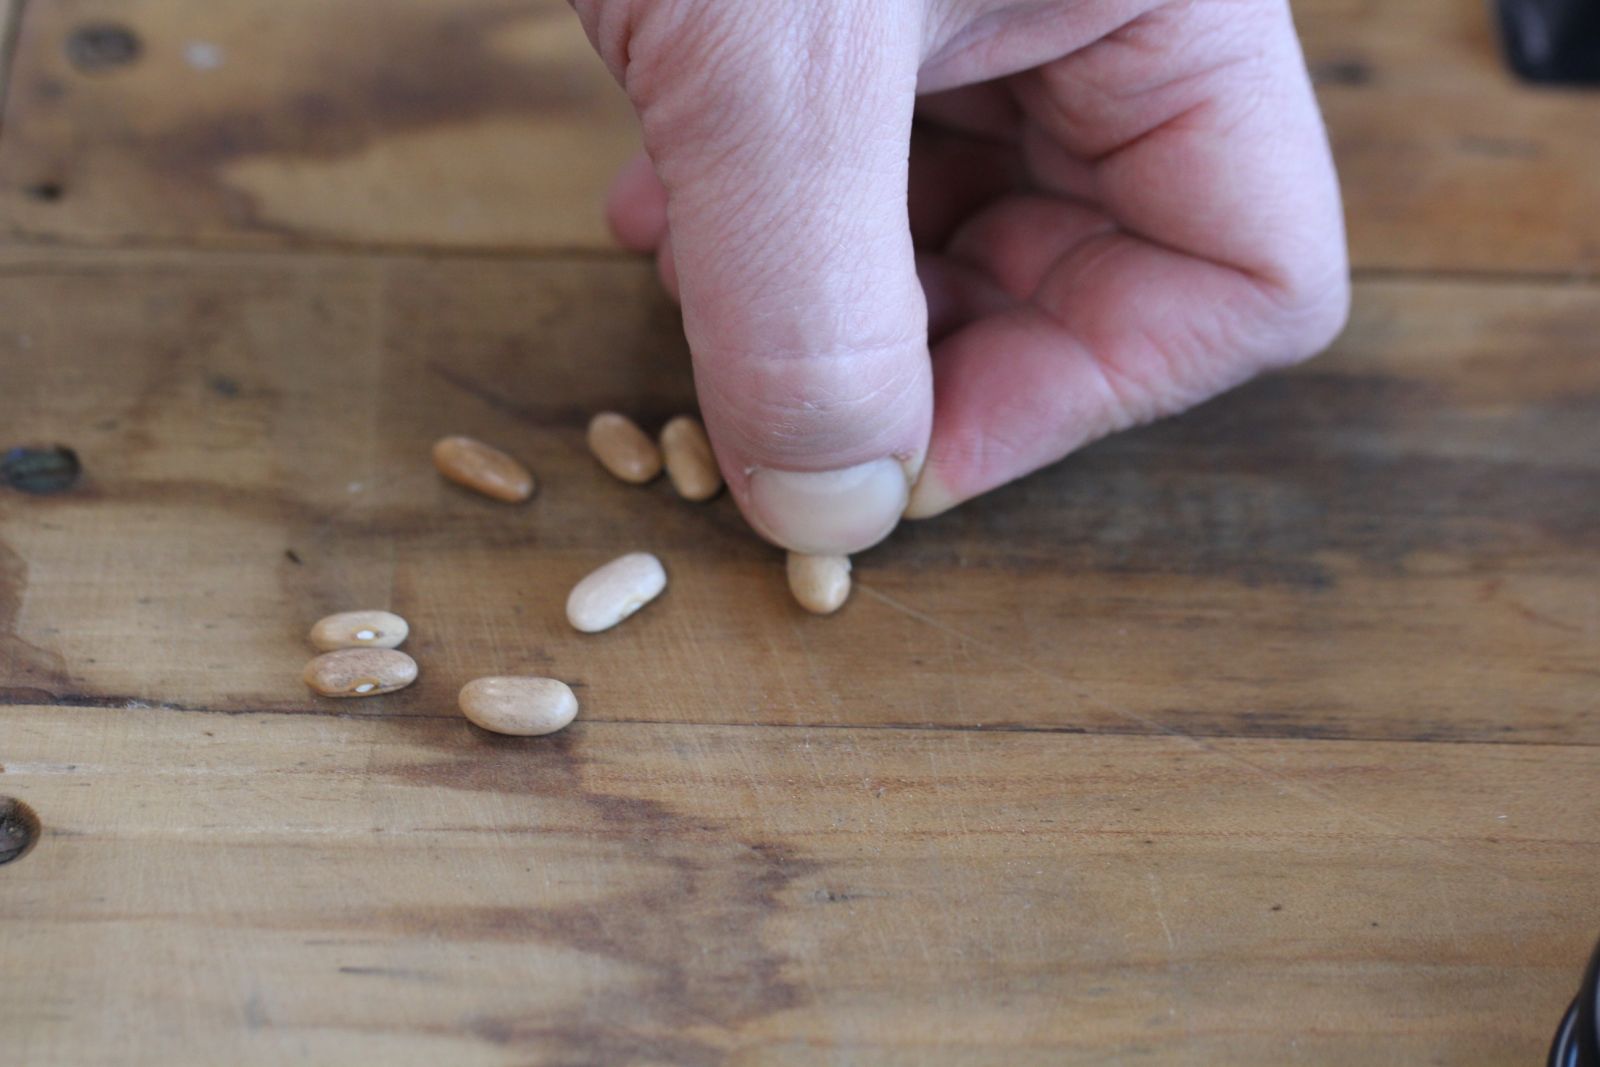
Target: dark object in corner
<point>19,829</point>
<point>1552,41</point>
<point>1577,1043</point>
<point>47,469</point>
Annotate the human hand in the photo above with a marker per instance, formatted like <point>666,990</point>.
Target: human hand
<point>1117,208</point>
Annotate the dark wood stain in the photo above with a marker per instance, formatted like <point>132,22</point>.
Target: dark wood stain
<point>568,415</point>
<point>45,192</point>
<point>713,889</point>
<point>1344,72</point>
<point>422,71</point>
<point>28,669</point>
<point>1200,495</point>
<point>22,694</point>
<point>223,385</point>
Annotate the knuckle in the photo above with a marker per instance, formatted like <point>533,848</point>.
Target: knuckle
<point>646,43</point>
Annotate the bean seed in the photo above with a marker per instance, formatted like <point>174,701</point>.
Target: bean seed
<point>469,462</point>
<point>690,463</point>
<point>820,583</point>
<point>360,672</point>
<point>623,449</point>
<point>48,469</point>
<point>524,707</point>
<point>615,591</point>
<point>359,629</point>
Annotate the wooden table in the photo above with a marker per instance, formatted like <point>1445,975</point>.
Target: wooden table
<point>1266,735</point>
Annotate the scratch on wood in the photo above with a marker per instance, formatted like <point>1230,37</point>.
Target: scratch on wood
<point>498,401</point>
<point>392,972</point>
<point>1155,901</point>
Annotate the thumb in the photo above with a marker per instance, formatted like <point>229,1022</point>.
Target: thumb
<point>781,132</point>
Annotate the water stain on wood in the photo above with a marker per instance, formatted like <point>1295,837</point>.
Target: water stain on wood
<point>707,888</point>
<point>423,72</point>
<point>29,669</point>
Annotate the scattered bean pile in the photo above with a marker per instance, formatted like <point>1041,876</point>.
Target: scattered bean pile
<point>360,650</point>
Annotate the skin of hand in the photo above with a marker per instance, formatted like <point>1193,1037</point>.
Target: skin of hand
<point>924,247</point>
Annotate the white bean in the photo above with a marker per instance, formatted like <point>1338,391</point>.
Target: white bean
<point>524,707</point>
<point>359,629</point>
<point>820,583</point>
<point>615,591</point>
<point>360,672</point>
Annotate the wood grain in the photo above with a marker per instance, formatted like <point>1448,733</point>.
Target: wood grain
<point>1265,735</point>
<point>485,124</point>
<point>488,125</point>
<point>1448,163</point>
<point>251,888</point>
<point>1396,541</point>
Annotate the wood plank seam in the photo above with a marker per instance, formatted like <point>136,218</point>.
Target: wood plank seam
<point>1154,730</point>
<point>20,240</point>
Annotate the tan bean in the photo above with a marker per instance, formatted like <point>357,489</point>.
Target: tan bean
<point>820,583</point>
<point>615,591</point>
<point>524,707</point>
<point>359,629</point>
<point>484,468</point>
<point>623,449</point>
<point>690,462</point>
<point>360,672</point>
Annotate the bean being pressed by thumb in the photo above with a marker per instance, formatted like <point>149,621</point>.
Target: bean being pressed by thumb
<point>828,513</point>
<point>815,382</point>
